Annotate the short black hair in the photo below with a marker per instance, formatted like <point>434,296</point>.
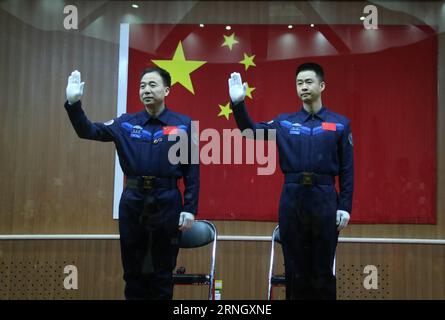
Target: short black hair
<point>311,66</point>
<point>163,73</point>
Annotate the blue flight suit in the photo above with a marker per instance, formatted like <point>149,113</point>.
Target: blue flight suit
<point>313,149</point>
<point>148,251</point>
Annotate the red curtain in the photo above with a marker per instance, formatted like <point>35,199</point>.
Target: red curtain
<point>384,80</point>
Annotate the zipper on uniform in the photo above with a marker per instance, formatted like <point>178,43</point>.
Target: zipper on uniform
<point>310,145</point>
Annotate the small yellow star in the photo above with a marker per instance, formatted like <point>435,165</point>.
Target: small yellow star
<point>248,61</point>
<point>249,91</point>
<point>229,41</point>
<point>225,110</point>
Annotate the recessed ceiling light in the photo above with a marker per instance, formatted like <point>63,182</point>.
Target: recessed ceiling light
<point>135,6</point>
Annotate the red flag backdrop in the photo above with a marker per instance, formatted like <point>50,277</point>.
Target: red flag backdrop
<point>384,80</point>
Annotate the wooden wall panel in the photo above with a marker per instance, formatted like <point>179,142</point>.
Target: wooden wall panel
<point>34,270</point>
<point>53,182</point>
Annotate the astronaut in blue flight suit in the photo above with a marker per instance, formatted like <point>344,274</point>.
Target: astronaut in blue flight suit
<point>314,145</point>
<point>151,204</point>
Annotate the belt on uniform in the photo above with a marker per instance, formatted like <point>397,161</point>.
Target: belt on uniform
<point>309,178</point>
<point>151,182</point>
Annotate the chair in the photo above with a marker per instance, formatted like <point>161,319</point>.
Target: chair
<point>201,234</point>
<point>274,279</point>
<point>279,279</point>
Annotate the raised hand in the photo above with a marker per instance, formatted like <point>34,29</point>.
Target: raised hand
<point>237,90</point>
<point>74,89</point>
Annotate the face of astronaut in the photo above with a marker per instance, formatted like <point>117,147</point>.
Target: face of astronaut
<point>152,90</point>
<point>309,87</point>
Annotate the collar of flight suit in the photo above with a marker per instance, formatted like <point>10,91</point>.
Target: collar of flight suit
<point>162,117</point>
<point>321,114</point>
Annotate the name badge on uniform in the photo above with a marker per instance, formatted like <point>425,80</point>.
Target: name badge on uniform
<point>295,129</point>
<point>136,132</point>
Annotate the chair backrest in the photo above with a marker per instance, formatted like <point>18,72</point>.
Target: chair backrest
<point>276,235</point>
<point>200,234</point>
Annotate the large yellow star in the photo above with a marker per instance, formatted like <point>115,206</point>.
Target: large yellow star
<point>248,61</point>
<point>229,41</point>
<point>249,91</point>
<point>225,110</point>
<point>180,68</point>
